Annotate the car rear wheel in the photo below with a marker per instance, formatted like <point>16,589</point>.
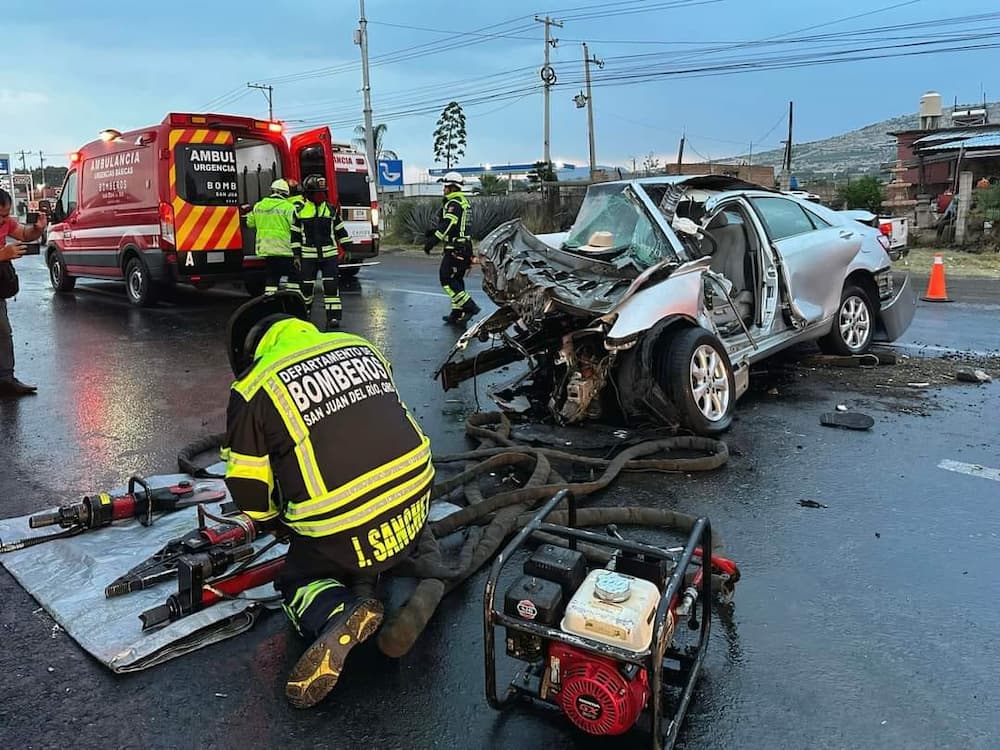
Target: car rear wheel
<point>58,275</point>
<point>853,325</point>
<point>698,378</point>
<point>139,284</point>
<point>348,273</point>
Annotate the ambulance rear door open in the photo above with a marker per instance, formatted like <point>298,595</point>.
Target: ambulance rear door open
<point>312,153</point>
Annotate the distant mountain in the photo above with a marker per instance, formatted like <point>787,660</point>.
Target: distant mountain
<point>861,151</point>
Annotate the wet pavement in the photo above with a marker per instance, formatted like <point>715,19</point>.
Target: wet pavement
<point>871,623</point>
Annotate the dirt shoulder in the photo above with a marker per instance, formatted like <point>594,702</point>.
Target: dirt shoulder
<point>956,263</point>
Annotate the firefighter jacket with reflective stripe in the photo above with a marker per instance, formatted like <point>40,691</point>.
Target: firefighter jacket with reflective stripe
<point>318,228</point>
<point>272,219</point>
<point>452,228</point>
<point>317,434</point>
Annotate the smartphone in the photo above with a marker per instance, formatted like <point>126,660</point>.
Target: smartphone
<point>34,248</point>
<point>31,218</point>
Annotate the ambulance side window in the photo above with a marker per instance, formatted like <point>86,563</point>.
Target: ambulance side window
<point>69,197</point>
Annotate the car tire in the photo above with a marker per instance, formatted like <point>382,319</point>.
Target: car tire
<point>853,325</point>
<point>697,376</point>
<point>58,274</point>
<point>139,286</point>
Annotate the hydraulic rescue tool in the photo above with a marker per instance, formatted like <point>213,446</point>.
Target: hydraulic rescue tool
<point>195,590</point>
<point>98,511</point>
<point>232,531</point>
<point>596,623</point>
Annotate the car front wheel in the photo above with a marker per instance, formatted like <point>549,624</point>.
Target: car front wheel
<point>853,325</point>
<point>58,275</point>
<point>698,378</point>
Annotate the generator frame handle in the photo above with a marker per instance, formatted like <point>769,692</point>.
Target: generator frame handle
<point>651,659</point>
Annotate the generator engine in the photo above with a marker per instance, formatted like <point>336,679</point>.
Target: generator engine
<point>599,695</point>
<point>598,637</point>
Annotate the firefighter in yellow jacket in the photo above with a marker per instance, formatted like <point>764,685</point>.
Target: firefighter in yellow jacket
<point>319,441</point>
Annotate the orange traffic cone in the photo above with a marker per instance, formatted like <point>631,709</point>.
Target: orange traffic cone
<point>936,291</point>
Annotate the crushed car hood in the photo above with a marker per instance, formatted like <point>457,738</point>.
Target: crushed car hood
<point>521,271</point>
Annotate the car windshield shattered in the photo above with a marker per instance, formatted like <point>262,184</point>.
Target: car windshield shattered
<point>613,226</point>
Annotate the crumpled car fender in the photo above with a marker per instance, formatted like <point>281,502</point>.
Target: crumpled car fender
<point>679,295</point>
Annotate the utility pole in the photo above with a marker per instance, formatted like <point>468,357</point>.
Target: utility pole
<point>41,161</point>
<point>268,92</point>
<point>786,176</point>
<point>361,39</point>
<point>680,153</point>
<point>24,164</point>
<point>587,60</point>
<point>548,78</point>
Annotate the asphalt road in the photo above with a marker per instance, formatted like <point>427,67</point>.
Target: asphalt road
<point>871,623</point>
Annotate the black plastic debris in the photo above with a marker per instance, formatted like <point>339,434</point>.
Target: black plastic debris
<point>848,420</point>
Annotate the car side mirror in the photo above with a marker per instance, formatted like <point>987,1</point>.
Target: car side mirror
<point>57,213</point>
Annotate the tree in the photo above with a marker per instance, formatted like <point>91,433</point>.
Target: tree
<point>449,135</point>
<point>865,193</point>
<point>378,139</point>
<point>491,184</point>
<point>542,172</point>
<point>650,164</point>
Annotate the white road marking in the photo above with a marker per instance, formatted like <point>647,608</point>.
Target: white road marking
<point>416,291</point>
<point>973,470</point>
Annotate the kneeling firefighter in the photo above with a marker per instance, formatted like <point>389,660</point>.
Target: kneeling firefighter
<point>452,229</point>
<point>319,441</point>
<point>320,231</point>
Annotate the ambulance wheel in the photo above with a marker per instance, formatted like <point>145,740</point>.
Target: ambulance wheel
<point>58,275</point>
<point>138,284</point>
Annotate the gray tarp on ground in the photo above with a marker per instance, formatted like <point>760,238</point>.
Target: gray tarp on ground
<point>68,576</point>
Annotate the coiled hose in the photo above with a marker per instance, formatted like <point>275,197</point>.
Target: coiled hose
<point>489,521</point>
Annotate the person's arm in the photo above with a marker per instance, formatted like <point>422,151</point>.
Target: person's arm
<point>248,466</point>
<point>25,233</point>
<point>341,237</point>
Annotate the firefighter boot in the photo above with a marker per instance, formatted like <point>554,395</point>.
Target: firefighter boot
<point>317,671</point>
<point>469,310</point>
<point>455,317</point>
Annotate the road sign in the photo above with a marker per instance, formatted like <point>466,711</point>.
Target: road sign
<point>22,179</point>
<point>390,173</point>
<point>4,163</point>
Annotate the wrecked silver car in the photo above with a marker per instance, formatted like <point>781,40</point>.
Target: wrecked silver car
<point>655,304</point>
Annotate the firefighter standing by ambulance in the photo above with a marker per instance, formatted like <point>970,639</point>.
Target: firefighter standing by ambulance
<point>272,218</point>
<point>319,441</point>
<point>452,229</point>
<point>320,231</point>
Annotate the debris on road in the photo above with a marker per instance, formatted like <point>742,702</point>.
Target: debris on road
<point>971,375</point>
<point>812,504</point>
<point>851,420</point>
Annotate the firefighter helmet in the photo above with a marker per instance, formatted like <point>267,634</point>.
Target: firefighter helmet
<point>314,183</point>
<point>250,322</point>
<point>280,187</point>
<point>453,178</point>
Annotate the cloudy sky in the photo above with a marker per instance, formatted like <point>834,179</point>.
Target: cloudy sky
<point>721,70</point>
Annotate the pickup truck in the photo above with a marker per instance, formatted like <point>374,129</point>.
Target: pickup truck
<point>896,230</point>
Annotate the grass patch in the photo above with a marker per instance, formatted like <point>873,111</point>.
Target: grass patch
<point>972,265</point>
